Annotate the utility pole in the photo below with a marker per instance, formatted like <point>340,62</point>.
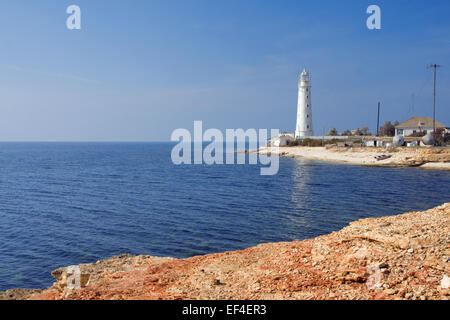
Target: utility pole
<point>378,120</point>
<point>435,66</point>
<point>323,135</point>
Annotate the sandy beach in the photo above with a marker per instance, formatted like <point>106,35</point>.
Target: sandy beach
<point>427,158</point>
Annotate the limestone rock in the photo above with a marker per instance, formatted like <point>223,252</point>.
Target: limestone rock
<point>397,257</point>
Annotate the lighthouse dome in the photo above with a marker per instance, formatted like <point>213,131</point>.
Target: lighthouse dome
<point>304,75</point>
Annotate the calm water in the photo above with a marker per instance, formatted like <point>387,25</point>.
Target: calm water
<point>70,203</point>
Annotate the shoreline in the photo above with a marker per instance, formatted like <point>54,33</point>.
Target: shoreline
<point>425,158</point>
<point>396,257</point>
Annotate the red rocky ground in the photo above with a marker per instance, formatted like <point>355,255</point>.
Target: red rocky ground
<point>398,257</point>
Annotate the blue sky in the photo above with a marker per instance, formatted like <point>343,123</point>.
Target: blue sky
<point>139,69</point>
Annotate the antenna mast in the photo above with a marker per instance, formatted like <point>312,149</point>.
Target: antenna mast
<point>435,66</point>
<point>378,120</point>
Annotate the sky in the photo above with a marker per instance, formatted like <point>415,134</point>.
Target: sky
<point>137,70</point>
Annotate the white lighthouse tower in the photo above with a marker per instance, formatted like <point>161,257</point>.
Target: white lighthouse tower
<point>304,127</point>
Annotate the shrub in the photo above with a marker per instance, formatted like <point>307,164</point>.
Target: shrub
<point>441,137</point>
<point>312,142</point>
<point>417,134</point>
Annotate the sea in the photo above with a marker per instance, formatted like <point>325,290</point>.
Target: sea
<point>64,204</point>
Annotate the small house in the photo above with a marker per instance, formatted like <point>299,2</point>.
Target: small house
<point>414,125</point>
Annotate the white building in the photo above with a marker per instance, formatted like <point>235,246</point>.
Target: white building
<point>304,126</point>
<point>417,125</point>
<point>282,139</point>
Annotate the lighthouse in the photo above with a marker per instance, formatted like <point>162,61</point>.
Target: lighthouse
<point>304,126</point>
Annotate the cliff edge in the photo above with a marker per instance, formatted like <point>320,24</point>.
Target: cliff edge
<point>397,257</point>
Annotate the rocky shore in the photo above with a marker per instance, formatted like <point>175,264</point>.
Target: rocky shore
<point>426,158</point>
<point>397,257</point>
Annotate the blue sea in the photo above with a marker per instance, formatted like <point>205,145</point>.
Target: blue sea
<point>69,203</point>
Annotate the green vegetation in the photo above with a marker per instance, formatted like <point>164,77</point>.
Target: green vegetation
<point>332,132</point>
<point>442,138</point>
<point>312,142</point>
<point>417,134</point>
<point>346,133</point>
<point>388,129</point>
<point>357,132</point>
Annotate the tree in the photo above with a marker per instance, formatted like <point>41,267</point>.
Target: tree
<point>388,129</point>
<point>365,131</point>
<point>357,132</point>
<point>333,132</point>
<point>346,133</point>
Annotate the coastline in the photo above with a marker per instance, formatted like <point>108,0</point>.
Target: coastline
<point>395,257</point>
<point>426,158</point>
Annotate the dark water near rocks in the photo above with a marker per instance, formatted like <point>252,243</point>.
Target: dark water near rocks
<point>69,203</point>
